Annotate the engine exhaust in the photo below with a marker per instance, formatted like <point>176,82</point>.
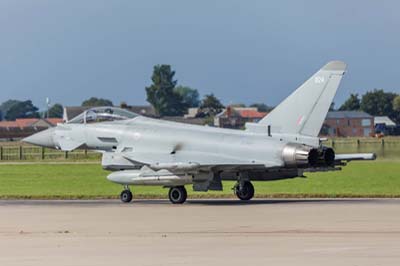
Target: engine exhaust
<point>298,155</point>
<point>302,156</point>
<point>327,156</point>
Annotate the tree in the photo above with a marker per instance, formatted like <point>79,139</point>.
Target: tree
<point>56,110</point>
<point>351,104</point>
<point>262,107</point>
<point>5,106</point>
<point>190,97</point>
<point>22,110</point>
<point>396,109</point>
<point>211,105</point>
<point>93,102</point>
<point>378,102</point>
<point>396,103</point>
<point>161,93</point>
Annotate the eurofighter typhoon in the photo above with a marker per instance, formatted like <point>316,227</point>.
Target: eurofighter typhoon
<point>146,151</point>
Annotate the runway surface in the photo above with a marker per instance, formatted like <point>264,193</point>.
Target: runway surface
<point>201,232</point>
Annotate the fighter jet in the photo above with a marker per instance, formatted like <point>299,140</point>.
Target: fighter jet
<point>146,151</point>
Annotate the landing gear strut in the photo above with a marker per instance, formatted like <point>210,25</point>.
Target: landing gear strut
<point>177,195</point>
<point>244,190</point>
<point>126,195</point>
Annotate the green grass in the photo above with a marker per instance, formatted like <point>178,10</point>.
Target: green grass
<point>73,181</point>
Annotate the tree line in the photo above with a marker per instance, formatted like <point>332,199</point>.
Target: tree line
<point>169,98</point>
<point>13,109</point>
<point>376,102</point>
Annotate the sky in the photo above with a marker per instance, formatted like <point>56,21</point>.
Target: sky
<point>242,51</point>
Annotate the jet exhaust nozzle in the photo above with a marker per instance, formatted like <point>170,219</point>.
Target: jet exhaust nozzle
<point>299,155</point>
<point>302,156</point>
<point>327,156</point>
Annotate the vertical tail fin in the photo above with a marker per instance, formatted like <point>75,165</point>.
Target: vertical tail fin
<point>304,111</point>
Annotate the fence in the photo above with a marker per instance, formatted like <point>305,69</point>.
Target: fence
<point>385,148</point>
<point>33,153</point>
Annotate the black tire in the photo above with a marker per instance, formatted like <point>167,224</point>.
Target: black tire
<point>246,192</point>
<point>126,196</point>
<point>177,195</point>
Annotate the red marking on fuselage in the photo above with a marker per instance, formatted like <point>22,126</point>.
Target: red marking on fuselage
<point>299,120</point>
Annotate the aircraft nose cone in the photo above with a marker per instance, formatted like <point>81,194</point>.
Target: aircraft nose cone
<point>43,138</point>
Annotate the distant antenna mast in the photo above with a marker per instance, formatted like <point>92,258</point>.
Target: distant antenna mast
<point>48,106</point>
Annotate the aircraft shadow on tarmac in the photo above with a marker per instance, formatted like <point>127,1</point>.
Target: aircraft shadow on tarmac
<point>190,202</point>
<point>234,202</point>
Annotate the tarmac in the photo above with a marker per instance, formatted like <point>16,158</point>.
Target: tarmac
<point>201,232</point>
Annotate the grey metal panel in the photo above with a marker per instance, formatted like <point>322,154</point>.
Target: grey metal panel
<point>306,108</point>
<point>316,117</point>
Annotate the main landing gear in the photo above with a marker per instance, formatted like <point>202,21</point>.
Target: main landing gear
<point>177,195</point>
<point>126,195</point>
<point>244,190</point>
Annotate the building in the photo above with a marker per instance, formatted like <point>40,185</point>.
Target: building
<point>384,126</point>
<point>30,122</point>
<point>348,124</point>
<point>24,127</point>
<point>237,117</point>
<point>193,112</point>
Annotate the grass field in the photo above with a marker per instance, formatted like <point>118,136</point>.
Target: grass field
<point>73,181</point>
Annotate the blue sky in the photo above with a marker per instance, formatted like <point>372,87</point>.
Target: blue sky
<point>242,51</point>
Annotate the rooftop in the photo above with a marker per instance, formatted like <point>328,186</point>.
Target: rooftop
<point>28,122</point>
<point>245,112</point>
<point>384,120</point>
<point>347,114</point>
<point>251,114</point>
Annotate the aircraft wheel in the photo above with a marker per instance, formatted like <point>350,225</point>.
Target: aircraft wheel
<point>126,196</point>
<point>246,191</point>
<point>177,195</point>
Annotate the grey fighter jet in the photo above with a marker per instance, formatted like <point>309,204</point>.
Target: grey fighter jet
<point>146,151</point>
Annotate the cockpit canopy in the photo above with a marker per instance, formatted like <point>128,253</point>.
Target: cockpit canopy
<point>102,114</point>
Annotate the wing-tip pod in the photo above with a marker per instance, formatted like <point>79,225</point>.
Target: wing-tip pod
<point>355,157</point>
<point>335,66</point>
